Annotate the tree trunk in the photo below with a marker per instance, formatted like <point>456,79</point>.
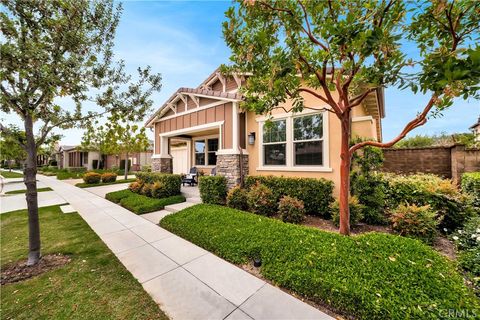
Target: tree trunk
<point>345,175</point>
<point>30,174</point>
<point>126,166</point>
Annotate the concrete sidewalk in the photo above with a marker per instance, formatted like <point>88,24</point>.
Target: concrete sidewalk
<point>184,279</point>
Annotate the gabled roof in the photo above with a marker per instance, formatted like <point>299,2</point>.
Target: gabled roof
<point>227,96</point>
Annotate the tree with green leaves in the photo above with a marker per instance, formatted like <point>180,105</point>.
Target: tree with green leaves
<point>95,139</point>
<point>293,48</point>
<point>10,150</point>
<point>54,49</point>
<point>124,137</point>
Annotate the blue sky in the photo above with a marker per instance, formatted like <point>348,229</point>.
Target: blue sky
<point>183,41</point>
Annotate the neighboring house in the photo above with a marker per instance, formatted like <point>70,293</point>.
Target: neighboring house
<point>476,130</point>
<point>205,127</point>
<point>137,160</point>
<point>72,157</point>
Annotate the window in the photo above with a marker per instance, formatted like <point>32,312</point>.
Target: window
<point>212,149</point>
<point>295,142</point>
<point>200,152</point>
<point>205,152</point>
<point>85,158</point>
<point>308,140</point>
<point>275,143</point>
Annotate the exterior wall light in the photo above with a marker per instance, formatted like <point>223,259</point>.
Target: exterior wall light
<point>251,138</point>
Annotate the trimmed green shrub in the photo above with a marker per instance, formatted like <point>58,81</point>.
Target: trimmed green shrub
<point>109,177</point>
<point>158,190</point>
<point>146,189</point>
<point>471,185</point>
<point>371,276</point>
<point>356,211</point>
<point>316,194</point>
<point>213,189</point>
<point>92,178</point>
<point>142,204</point>
<point>370,191</point>
<point>135,186</point>
<point>237,198</point>
<point>260,200</point>
<point>442,195</point>
<point>116,196</point>
<point>291,210</point>
<point>415,222</point>
<point>171,182</point>
<point>147,168</point>
<point>367,186</point>
<point>77,169</point>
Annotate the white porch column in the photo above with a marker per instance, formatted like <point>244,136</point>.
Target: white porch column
<point>235,133</point>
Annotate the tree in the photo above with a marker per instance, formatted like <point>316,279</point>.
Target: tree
<point>62,49</point>
<point>10,150</point>
<point>355,48</point>
<point>126,137</point>
<point>95,138</point>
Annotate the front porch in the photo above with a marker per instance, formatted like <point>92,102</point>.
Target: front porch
<point>212,148</point>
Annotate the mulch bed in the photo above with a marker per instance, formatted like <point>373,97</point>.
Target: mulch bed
<point>328,225</point>
<point>19,271</point>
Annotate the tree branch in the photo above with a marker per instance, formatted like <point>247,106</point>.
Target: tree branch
<point>420,120</point>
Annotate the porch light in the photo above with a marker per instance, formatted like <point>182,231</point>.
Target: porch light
<point>251,138</point>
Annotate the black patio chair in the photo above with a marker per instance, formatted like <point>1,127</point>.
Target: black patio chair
<point>191,177</point>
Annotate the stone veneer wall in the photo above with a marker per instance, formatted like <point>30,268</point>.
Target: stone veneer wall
<point>162,165</point>
<point>228,165</point>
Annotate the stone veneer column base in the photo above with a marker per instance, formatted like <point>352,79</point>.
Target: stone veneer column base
<point>162,165</point>
<point>228,165</point>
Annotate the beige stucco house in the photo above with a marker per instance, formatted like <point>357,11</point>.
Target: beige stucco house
<point>72,157</point>
<point>205,127</point>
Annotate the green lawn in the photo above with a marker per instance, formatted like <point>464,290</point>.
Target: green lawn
<point>370,276</point>
<point>25,190</point>
<point>141,204</point>
<point>94,285</point>
<point>89,185</point>
<point>7,174</point>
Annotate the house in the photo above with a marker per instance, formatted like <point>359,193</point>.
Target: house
<point>73,157</point>
<point>137,160</point>
<point>205,127</point>
<point>476,130</point>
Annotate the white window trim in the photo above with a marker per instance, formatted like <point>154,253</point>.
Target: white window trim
<point>205,138</point>
<point>290,144</point>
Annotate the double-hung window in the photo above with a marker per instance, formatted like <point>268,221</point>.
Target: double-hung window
<point>200,152</point>
<point>308,140</point>
<point>275,143</point>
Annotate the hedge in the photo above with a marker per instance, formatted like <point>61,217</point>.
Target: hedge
<point>213,189</point>
<point>471,185</point>
<point>172,182</point>
<point>370,276</point>
<point>316,194</point>
<point>140,204</point>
